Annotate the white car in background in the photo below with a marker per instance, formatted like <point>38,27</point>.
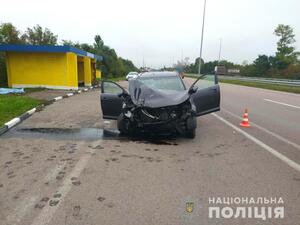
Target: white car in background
<point>132,75</point>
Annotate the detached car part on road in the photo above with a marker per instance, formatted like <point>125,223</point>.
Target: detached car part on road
<point>159,102</point>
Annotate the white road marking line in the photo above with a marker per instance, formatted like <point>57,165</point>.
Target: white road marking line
<point>47,212</point>
<point>266,130</point>
<point>271,150</point>
<point>54,172</point>
<point>12,122</point>
<point>16,216</point>
<point>20,211</point>
<point>282,103</point>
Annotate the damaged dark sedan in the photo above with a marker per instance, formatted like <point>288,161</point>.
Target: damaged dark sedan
<point>159,102</point>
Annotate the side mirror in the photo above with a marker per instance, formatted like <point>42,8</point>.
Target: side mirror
<point>193,89</point>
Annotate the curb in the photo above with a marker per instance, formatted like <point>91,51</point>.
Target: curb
<point>10,124</point>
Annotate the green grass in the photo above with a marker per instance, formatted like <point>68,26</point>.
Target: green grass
<point>14,105</point>
<point>275,87</point>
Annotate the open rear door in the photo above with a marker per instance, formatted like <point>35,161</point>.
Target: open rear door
<point>111,102</point>
<point>207,96</point>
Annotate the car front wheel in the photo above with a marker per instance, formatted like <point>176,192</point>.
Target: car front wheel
<point>124,125</point>
<point>190,133</point>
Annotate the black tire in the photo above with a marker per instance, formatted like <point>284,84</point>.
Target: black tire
<point>191,133</point>
<point>123,125</point>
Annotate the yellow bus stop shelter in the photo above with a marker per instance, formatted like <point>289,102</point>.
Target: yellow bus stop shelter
<point>55,67</point>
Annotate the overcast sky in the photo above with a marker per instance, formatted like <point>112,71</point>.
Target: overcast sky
<point>161,31</point>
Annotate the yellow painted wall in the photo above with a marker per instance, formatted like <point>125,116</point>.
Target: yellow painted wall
<point>87,71</point>
<point>53,70</point>
<point>98,74</point>
<point>72,70</point>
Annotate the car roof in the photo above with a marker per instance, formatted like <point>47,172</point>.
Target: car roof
<point>158,74</point>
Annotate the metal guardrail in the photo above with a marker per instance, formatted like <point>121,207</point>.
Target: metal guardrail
<point>263,80</point>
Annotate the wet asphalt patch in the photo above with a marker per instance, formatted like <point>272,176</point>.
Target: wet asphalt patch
<point>89,134</point>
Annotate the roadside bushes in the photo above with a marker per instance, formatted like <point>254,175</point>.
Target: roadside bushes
<point>292,72</point>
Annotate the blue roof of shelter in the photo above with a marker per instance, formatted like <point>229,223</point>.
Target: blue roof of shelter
<point>48,48</point>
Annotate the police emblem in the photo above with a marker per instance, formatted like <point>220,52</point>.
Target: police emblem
<point>189,207</point>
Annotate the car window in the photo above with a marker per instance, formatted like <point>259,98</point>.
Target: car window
<point>111,88</point>
<point>206,81</point>
<point>164,83</point>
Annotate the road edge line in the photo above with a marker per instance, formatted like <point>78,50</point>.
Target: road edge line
<point>265,130</point>
<point>281,103</point>
<point>271,150</point>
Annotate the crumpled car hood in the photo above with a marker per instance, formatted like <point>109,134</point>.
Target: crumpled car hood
<point>145,96</point>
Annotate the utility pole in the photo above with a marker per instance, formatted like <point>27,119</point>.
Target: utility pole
<point>220,50</point>
<point>181,55</point>
<point>201,45</point>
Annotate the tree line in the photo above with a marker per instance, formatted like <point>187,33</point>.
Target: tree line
<point>111,66</point>
<point>284,64</point>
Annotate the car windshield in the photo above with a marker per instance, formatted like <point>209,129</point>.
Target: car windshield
<point>163,83</point>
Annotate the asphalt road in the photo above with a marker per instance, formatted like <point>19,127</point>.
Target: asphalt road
<point>70,172</point>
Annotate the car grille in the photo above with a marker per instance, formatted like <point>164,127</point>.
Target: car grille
<point>158,114</point>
